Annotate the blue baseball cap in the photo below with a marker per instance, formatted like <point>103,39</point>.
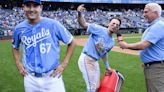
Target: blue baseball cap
<point>35,1</point>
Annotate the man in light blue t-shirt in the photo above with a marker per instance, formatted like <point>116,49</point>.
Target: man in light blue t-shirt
<point>152,48</point>
<point>39,37</point>
<point>100,42</point>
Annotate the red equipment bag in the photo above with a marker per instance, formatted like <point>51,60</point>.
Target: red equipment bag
<point>112,82</point>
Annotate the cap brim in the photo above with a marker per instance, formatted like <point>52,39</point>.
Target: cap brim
<point>32,2</point>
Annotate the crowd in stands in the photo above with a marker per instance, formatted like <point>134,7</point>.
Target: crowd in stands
<point>130,18</point>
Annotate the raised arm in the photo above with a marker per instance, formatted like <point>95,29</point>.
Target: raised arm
<point>80,17</point>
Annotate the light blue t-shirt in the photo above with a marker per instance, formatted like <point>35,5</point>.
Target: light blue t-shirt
<point>154,34</point>
<point>40,44</point>
<point>99,42</point>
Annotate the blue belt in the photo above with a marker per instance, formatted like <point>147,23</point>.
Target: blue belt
<point>154,62</point>
<point>40,74</point>
<point>90,56</point>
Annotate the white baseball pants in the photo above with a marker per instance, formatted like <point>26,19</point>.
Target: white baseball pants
<point>43,84</point>
<point>90,71</point>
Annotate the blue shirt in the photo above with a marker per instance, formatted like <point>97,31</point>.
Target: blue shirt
<point>155,35</point>
<point>99,42</point>
<point>40,44</point>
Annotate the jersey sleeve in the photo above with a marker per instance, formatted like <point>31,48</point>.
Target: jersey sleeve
<point>95,29</point>
<point>63,34</point>
<point>155,33</point>
<point>16,39</point>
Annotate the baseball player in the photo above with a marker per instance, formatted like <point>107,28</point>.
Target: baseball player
<point>40,38</point>
<point>100,42</point>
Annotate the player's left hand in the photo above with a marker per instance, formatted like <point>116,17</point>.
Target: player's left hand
<point>58,71</point>
<point>108,71</point>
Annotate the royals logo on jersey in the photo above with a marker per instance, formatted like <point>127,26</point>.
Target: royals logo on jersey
<point>35,38</point>
<point>101,47</point>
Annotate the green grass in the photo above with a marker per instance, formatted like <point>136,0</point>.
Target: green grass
<point>10,80</point>
<point>129,40</point>
<point>128,65</point>
<point>82,36</point>
<point>131,35</point>
<point>132,40</point>
<point>124,35</point>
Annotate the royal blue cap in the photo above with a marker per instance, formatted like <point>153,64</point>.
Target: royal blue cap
<point>35,1</point>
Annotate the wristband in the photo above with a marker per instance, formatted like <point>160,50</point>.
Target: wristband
<point>79,13</point>
<point>106,64</point>
<point>118,34</point>
<point>120,40</point>
<point>119,37</point>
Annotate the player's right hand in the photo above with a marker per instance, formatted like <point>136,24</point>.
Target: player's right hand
<point>81,8</point>
<point>21,69</point>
